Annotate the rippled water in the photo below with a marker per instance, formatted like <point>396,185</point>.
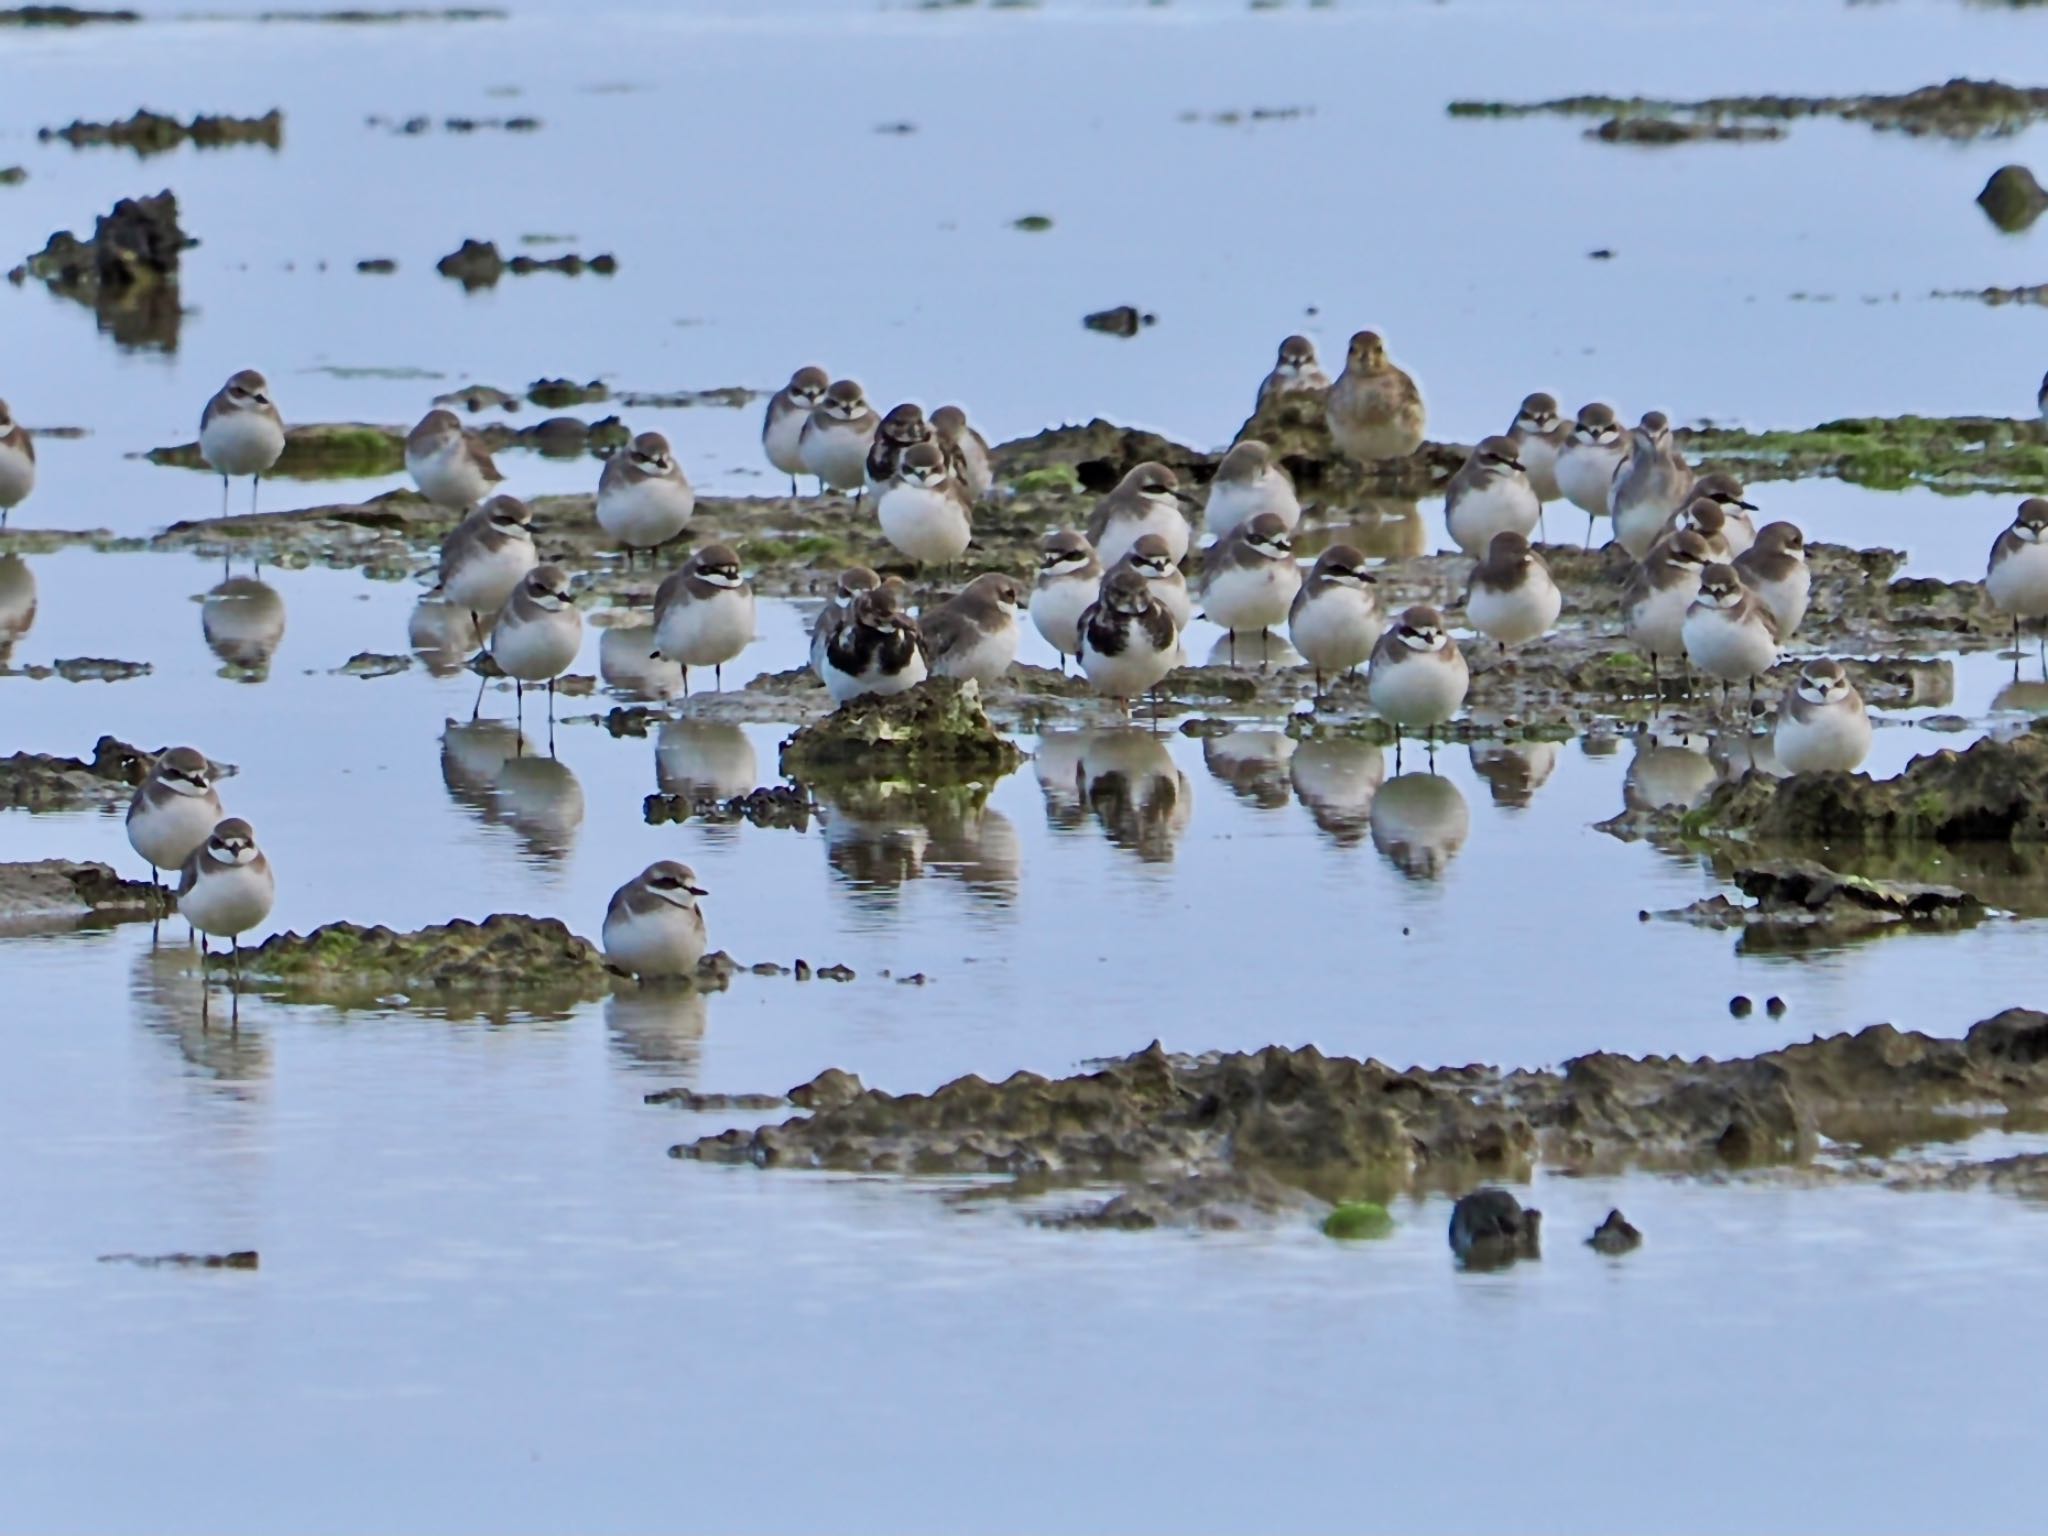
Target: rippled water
<point>487,1297</point>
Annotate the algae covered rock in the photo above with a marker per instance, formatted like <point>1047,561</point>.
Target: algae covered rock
<point>327,450</point>
<point>507,957</point>
<point>1294,427</point>
<point>127,273</point>
<point>1358,1219</point>
<point>57,893</point>
<point>38,781</point>
<point>2012,199</point>
<point>937,731</point>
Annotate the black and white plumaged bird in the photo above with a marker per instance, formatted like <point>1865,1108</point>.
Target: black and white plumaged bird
<point>1128,639</point>
<point>846,586</point>
<point>877,651</point>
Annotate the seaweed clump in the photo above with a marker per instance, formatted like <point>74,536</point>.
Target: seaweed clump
<point>507,958</point>
<point>935,732</point>
<point>127,273</point>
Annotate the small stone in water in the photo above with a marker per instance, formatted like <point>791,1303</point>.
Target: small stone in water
<point>1740,1006</point>
<point>1775,1007</point>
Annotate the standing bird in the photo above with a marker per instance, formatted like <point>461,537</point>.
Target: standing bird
<point>1658,597</point>
<point>877,651</point>
<point>1147,500</point>
<point>654,929</point>
<point>1775,569</point>
<point>1822,724</point>
<point>643,497</point>
<point>451,468</point>
<point>174,810</point>
<point>1335,620</point>
<point>537,637</point>
<point>240,433</point>
<point>1728,633</point>
<point>2017,579</point>
<point>1148,556</point>
<point>485,557</point>
<point>1374,410</point>
<point>834,442</point>
<point>1706,519</point>
<point>1652,483</point>
<point>789,408</point>
<point>966,450</point>
<point>1540,434</point>
<point>1069,576</point>
<point>704,613</point>
<point>17,463</point>
<point>1249,579</point>
<point>974,635</point>
<point>924,510</point>
<point>1295,372</point>
<point>1249,481</point>
<point>1588,459</point>
<point>1418,677</point>
<point>1725,492</point>
<point>1512,599</point>
<point>849,584</point>
<point>902,427</point>
<point>1128,642</point>
<point>227,888</point>
<point>1490,494</point>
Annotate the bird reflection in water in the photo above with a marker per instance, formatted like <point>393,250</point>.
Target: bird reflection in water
<point>243,621</point>
<point>1382,528</point>
<point>1129,783</point>
<point>660,1028</point>
<point>1669,771</point>
<point>1252,764</point>
<point>443,637</point>
<point>1514,771</point>
<point>627,665</point>
<point>17,603</point>
<point>1337,780</point>
<point>168,986</point>
<point>875,839</point>
<point>1419,821</point>
<point>492,770</point>
<point>1056,763</point>
<point>698,760</point>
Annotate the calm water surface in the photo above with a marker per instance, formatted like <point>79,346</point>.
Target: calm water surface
<point>488,1299</point>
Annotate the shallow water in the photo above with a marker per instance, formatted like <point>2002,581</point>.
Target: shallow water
<point>487,1296</point>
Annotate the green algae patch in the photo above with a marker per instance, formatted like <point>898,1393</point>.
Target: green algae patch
<point>507,958</point>
<point>936,733</point>
<point>1944,453</point>
<point>322,451</point>
<point>1056,479</point>
<point>1358,1219</point>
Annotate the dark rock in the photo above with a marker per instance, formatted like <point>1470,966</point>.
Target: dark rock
<point>127,273</point>
<point>1124,320</point>
<point>377,264</point>
<point>2012,199</point>
<point>241,1258</point>
<point>835,973</point>
<point>13,175</point>
<point>1632,129</point>
<point>474,264</point>
<point>1491,1229</point>
<point>828,1090</point>
<point>152,133</point>
<point>935,733</point>
<point>36,781</point>
<point>48,894</point>
<point>1615,1235</point>
<point>779,806</point>
<point>61,16</point>
<point>1775,1007</point>
<point>1740,1007</point>
<point>100,669</point>
<point>554,394</point>
<point>689,1098</point>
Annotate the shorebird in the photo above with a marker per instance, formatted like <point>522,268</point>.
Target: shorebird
<point>240,433</point>
<point>643,497</point>
<point>1295,371</point>
<point>1658,596</point>
<point>1725,492</point>
<point>1335,619</point>
<point>1128,640</point>
<point>877,651</point>
<point>924,511</point>
<point>1374,410</point>
<point>967,451</point>
<point>789,408</point>
<point>1512,599</point>
<point>226,888</point>
<point>1418,677</point>
<point>451,468</point>
<point>1490,494</point>
<point>1148,556</point>
<point>174,810</point>
<point>833,444</point>
<point>17,463</point>
<point>1728,633</point>
<point>1249,579</point>
<point>1775,569</point>
<point>1651,484</point>
<point>1539,434</point>
<point>902,427</point>
<point>1249,481</point>
<point>1149,499</point>
<point>1587,461</point>
<point>847,586</point>
<point>2017,578</point>
<point>1069,576</point>
<point>1822,724</point>
<point>974,635</point>
<point>704,613</point>
<point>485,557</point>
<point>654,929</point>
<point>1705,518</point>
<point>537,637</point>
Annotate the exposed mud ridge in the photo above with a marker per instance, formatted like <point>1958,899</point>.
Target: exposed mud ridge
<point>1960,109</point>
<point>478,264</point>
<point>152,133</point>
<point>1952,453</point>
<point>1800,904</point>
<point>1657,131</point>
<point>357,18</point>
<point>776,806</point>
<point>240,1258</point>
<point>412,127</point>
<point>57,893</point>
<point>936,732</point>
<point>1337,1127</point>
<point>506,956</point>
<point>357,450</point>
<point>37,781</point>
<point>61,16</point>
<point>127,273</point>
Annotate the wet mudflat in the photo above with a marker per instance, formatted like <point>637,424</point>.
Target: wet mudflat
<point>485,1287</point>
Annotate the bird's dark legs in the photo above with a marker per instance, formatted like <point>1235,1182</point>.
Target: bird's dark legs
<point>551,717</point>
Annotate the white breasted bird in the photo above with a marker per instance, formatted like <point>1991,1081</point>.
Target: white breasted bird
<point>1249,579</point>
<point>227,887</point>
<point>1419,677</point>
<point>1069,576</point>
<point>1705,518</point>
<point>2017,579</point>
<point>1148,499</point>
<point>1822,724</point>
<point>1335,620</point>
<point>537,636</point>
<point>1247,482</point>
<point>1725,492</point>
<point>1490,494</point>
<point>1775,569</point>
<point>643,497</point>
<point>17,463</point>
<point>974,635</point>
<point>848,585</point>
<point>782,425</point>
<point>924,511</point>
<point>879,649</point>
<point>835,439</point>
<point>174,810</point>
<point>1374,410</point>
<point>901,427</point>
<point>1652,483</point>
<point>1149,557</point>
<point>1588,459</point>
<point>1295,371</point>
<point>1512,599</point>
<point>1658,597</point>
<point>1539,434</point>
<point>1728,633</point>
<point>704,613</point>
<point>1128,640</point>
<point>451,468</point>
<point>241,433</point>
<point>485,557</point>
<point>967,451</point>
<point>654,929</point>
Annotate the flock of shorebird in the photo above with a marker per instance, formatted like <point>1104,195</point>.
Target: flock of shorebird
<point>1709,588</point>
